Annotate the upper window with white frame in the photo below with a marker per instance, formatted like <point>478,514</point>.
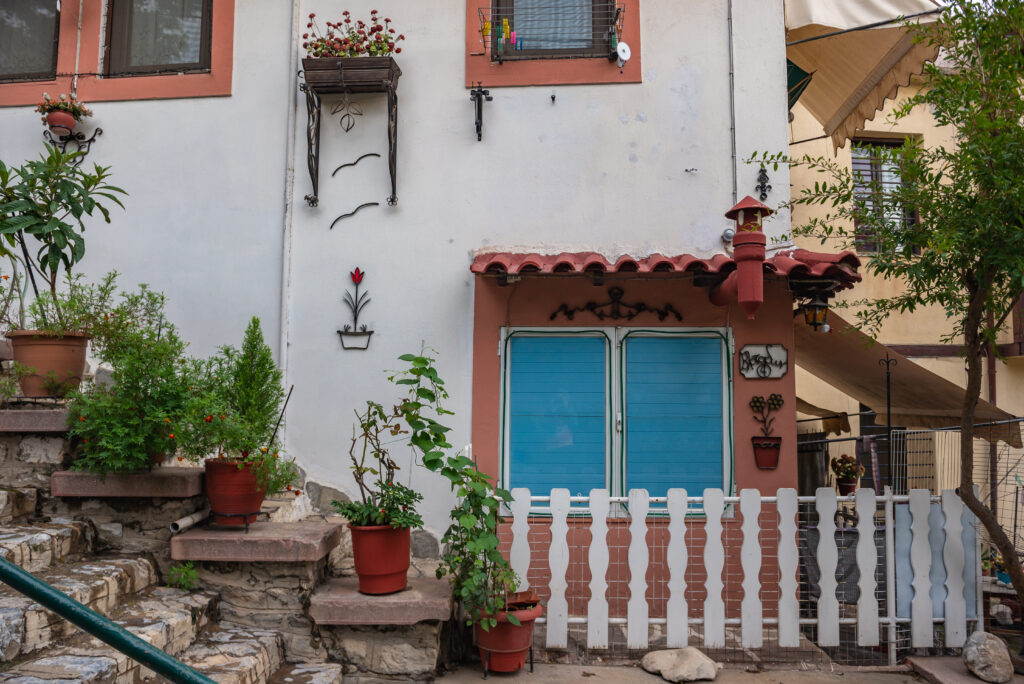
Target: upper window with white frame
<point>617,409</point>
<point>158,36</point>
<point>552,29</point>
<point>29,34</point>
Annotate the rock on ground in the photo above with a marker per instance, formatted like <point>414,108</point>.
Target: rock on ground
<point>987,657</point>
<point>681,665</point>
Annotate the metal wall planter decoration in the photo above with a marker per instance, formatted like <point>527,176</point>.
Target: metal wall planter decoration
<point>762,184</point>
<point>766,446</point>
<point>764,361</point>
<point>355,336</point>
<point>479,96</point>
<point>616,309</point>
<point>77,141</point>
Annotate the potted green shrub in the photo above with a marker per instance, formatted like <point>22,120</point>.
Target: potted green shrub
<point>62,114</point>
<point>847,472</point>
<point>47,200</point>
<point>236,417</point>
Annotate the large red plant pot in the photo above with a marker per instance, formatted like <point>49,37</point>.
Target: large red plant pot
<point>766,451</point>
<point>504,647</point>
<point>381,555</point>
<point>846,487</point>
<point>235,496</point>
<point>57,363</point>
<point>61,122</point>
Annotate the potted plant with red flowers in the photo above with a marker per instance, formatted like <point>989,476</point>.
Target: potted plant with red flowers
<point>847,472</point>
<point>356,54</point>
<point>355,336</point>
<point>766,446</point>
<point>62,114</point>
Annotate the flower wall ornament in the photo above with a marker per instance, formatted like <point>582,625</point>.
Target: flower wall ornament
<point>764,407</point>
<point>766,446</point>
<point>355,336</point>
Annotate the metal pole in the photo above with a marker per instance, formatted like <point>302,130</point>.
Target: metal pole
<point>890,575</point>
<point>888,363</point>
<point>1016,501</point>
<point>99,626</point>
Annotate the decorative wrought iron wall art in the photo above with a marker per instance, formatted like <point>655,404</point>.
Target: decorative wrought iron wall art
<point>355,336</point>
<point>77,141</point>
<point>349,110</point>
<point>763,361</point>
<point>478,95</point>
<point>354,212</point>
<point>762,183</point>
<point>361,158</point>
<point>616,309</point>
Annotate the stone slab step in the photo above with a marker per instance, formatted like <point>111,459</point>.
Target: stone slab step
<point>17,503</point>
<point>159,483</point>
<point>262,542</point>
<point>234,655</point>
<point>338,602</point>
<point>314,673</point>
<point>37,546</point>
<point>49,420</point>
<point>102,584</point>
<point>170,619</point>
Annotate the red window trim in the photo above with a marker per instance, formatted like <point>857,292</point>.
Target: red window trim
<point>93,88</point>
<point>480,69</point>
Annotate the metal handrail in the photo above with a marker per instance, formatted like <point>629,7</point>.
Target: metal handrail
<point>99,626</point>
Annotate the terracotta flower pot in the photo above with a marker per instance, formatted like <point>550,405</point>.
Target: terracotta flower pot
<point>235,496</point>
<point>846,487</point>
<point>766,451</point>
<point>503,648</point>
<point>61,122</point>
<point>381,555</point>
<point>57,363</point>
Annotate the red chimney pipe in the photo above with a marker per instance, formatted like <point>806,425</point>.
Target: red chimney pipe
<point>746,283</point>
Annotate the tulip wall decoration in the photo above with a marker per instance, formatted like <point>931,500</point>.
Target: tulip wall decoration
<point>355,336</point>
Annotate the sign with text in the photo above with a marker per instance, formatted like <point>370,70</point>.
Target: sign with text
<point>764,361</point>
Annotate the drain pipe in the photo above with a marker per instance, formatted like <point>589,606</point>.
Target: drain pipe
<point>99,626</point>
<point>745,285</point>
<point>732,102</point>
<point>189,521</point>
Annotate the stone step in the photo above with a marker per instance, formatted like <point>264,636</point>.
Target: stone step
<point>236,655</point>
<point>170,619</point>
<point>314,673</point>
<point>37,546</point>
<point>17,503</point>
<point>102,584</point>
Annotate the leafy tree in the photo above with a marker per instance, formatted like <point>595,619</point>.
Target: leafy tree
<point>964,254</point>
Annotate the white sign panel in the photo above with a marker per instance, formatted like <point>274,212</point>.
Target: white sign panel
<point>764,361</point>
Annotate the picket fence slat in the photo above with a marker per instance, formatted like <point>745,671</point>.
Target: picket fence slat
<point>867,561</point>
<point>828,560</point>
<point>714,562</point>
<point>921,632</point>
<point>953,558</point>
<point>751,615</point>
<point>636,610</point>
<point>558,561</point>
<point>677,629</point>
<point>597,607</point>
<point>519,554</point>
<point>789,606</point>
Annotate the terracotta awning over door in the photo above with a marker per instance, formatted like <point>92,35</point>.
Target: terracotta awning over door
<point>854,73</point>
<point>846,359</point>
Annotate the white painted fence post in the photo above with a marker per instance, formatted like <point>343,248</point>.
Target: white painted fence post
<point>677,630</point>
<point>955,626</point>
<point>789,607</point>
<point>636,610</point>
<point>921,631</point>
<point>714,561</point>
<point>558,561</point>
<point>519,554</point>
<point>597,607</point>
<point>867,562</point>
<point>828,560</point>
<point>751,622</point>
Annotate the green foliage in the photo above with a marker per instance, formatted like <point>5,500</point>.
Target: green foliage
<point>183,576</point>
<point>252,386</point>
<point>78,306</point>
<point>10,381</point>
<point>48,199</point>
<point>390,503</point>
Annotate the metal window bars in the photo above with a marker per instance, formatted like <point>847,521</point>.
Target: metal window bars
<point>551,29</point>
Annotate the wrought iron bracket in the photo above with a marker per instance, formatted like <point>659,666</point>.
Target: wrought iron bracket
<point>616,309</point>
<point>313,105</point>
<point>78,141</point>
<point>478,95</point>
<point>762,183</point>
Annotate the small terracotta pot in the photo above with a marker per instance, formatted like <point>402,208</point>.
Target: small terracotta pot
<point>381,555</point>
<point>503,648</point>
<point>58,363</point>
<point>766,451</point>
<point>846,487</point>
<point>61,122</point>
<point>235,496</point>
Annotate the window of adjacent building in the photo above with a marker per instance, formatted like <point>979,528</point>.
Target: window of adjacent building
<point>877,176</point>
<point>551,28</point>
<point>158,36</point>
<point>29,30</point>
<point>616,409</point>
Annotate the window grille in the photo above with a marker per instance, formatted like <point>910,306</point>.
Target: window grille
<point>877,175</point>
<point>551,29</point>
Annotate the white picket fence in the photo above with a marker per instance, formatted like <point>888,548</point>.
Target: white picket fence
<point>944,600</point>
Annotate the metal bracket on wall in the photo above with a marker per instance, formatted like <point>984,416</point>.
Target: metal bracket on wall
<point>478,95</point>
<point>78,140</point>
